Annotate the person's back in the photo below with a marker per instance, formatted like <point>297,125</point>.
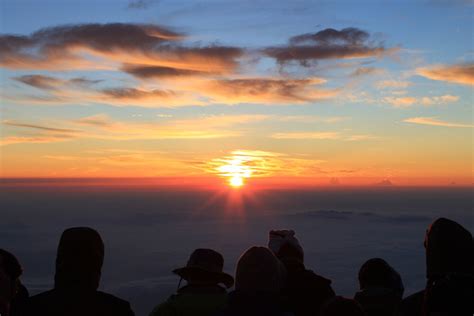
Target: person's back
<point>259,279</point>
<point>340,306</point>
<point>203,295</point>
<point>381,288</point>
<point>304,290</point>
<point>78,269</point>
<point>63,303</point>
<point>12,293</point>
<point>449,271</point>
<point>192,301</point>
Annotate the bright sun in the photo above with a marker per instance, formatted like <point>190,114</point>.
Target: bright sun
<point>235,169</point>
<point>236,181</point>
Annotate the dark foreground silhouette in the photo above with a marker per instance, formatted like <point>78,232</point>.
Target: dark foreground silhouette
<point>269,281</point>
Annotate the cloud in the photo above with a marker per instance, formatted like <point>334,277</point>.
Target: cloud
<point>323,135</point>
<point>98,120</point>
<point>385,182</point>
<point>328,44</point>
<point>403,102</point>
<point>40,127</point>
<point>400,102</point>
<point>307,135</point>
<point>9,140</point>
<point>439,99</point>
<point>395,84</point>
<point>146,72</point>
<point>39,81</point>
<point>84,46</point>
<point>266,90</point>
<point>141,4</point>
<point>258,163</point>
<point>52,83</point>
<point>460,73</point>
<point>101,126</point>
<point>363,71</point>
<point>435,122</point>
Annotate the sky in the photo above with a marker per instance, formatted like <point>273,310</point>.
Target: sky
<point>300,92</point>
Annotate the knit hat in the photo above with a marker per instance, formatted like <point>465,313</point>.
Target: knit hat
<point>258,270</point>
<point>284,245</point>
<point>206,264</point>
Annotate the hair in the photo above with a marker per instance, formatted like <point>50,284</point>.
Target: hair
<point>10,264</point>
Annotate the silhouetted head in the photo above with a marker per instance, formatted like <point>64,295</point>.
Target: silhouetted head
<point>340,306</point>
<point>259,270</point>
<point>377,273</point>
<point>205,267</point>
<point>79,259</point>
<point>285,245</point>
<point>11,270</point>
<point>449,249</point>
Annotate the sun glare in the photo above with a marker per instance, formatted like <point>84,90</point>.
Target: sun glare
<point>236,181</point>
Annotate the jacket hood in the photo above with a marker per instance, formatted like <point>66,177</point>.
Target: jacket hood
<point>449,249</point>
<point>79,259</point>
<point>376,273</point>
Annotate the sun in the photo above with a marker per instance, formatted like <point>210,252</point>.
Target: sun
<point>236,181</point>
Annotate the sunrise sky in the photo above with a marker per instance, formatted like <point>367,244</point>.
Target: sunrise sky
<point>308,92</point>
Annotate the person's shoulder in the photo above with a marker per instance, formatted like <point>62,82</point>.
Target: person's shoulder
<point>165,308</point>
<point>111,298</point>
<point>412,304</point>
<point>43,296</point>
<point>118,304</point>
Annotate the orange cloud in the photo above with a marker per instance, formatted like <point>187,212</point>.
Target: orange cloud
<point>403,102</point>
<point>435,122</point>
<point>393,84</point>
<point>307,135</point>
<point>266,91</point>
<point>460,73</point>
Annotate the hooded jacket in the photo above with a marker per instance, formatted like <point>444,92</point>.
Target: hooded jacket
<point>449,271</point>
<point>381,288</point>
<point>78,269</point>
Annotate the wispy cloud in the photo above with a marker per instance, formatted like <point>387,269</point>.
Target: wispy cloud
<point>267,90</point>
<point>433,121</point>
<point>406,101</point>
<point>258,163</point>
<point>394,84</point>
<point>459,73</point>
<point>307,135</point>
<point>141,4</point>
<point>323,136</point>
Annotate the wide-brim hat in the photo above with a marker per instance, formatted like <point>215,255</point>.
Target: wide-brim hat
<point>206,264</point>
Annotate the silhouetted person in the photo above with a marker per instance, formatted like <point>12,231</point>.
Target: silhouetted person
<point>304,290</point>
<point>78,269</point>
<point>340,306</point>
<point>202,295</point>
<point>12,293</point>
<point>381,288</point>
<point>259,278</point>
<point>449,271</point>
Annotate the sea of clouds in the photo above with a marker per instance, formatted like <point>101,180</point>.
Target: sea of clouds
<point>149,232</point>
